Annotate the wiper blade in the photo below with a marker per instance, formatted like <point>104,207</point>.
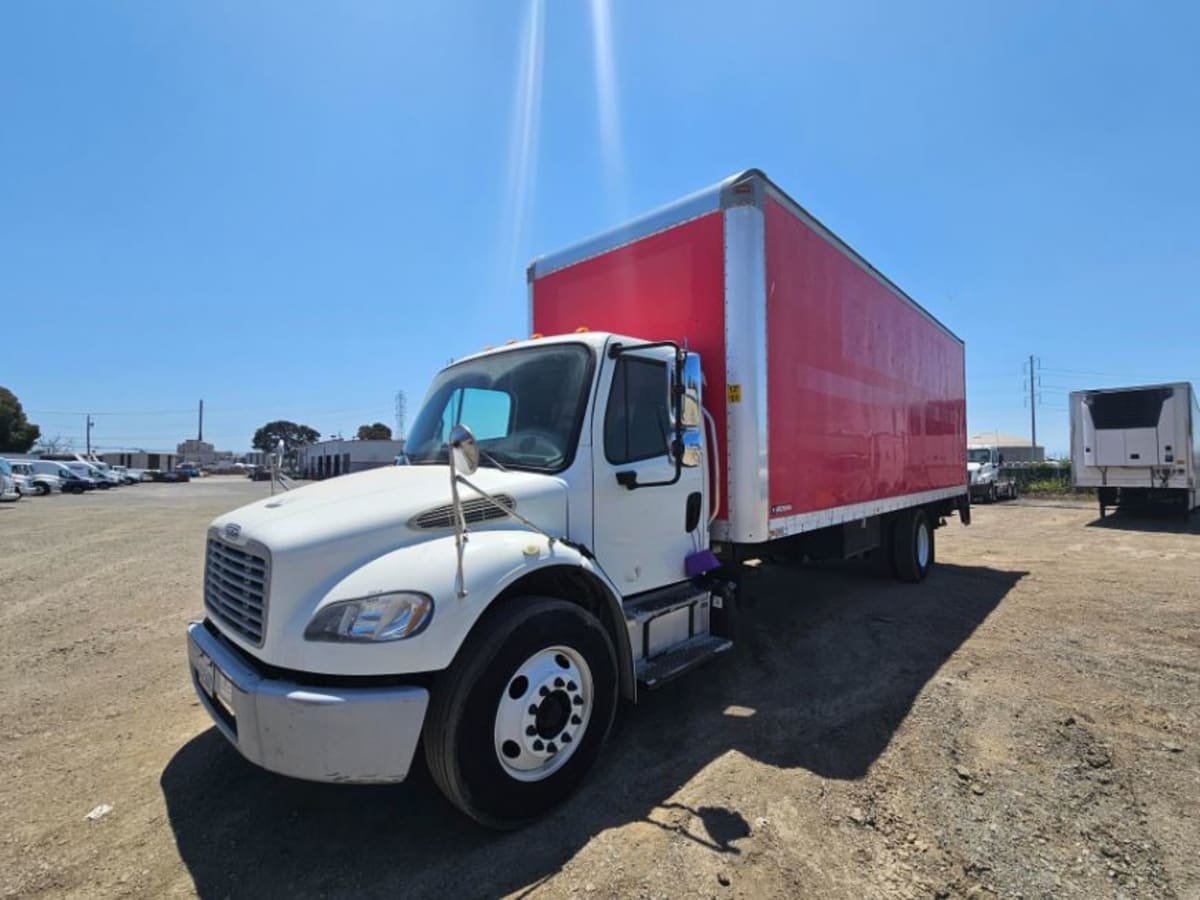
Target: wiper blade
<point>487,457</point>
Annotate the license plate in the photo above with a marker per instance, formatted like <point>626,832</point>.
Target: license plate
<point>204,674</point>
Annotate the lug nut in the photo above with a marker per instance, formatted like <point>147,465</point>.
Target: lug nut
<point>577,700</point>
<point>543,691</point>
<point>571,686</point>
<point>575,720</point>
<point>558,682</point>
<point>551,747</point>
<point>539,746</point>
<point>533,709</point>
<point>530,731</point>
<point>566,738</point>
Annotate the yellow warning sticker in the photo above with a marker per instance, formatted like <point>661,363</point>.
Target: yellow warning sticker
<point>735,393</point>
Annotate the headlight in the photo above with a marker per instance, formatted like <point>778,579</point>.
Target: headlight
<point>381,617</point>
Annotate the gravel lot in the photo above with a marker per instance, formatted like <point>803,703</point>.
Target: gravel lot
<point>1024,724</point>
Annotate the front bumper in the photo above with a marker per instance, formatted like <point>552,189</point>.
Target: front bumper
<point>357,735</point>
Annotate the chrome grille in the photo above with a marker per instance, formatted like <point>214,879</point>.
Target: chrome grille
<point>235,588</point>
<point>477,510</point>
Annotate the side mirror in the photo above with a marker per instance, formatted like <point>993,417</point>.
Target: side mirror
<point>464,449</point>
<point>690,415</point>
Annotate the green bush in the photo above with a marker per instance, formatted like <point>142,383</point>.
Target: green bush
<point>1054,487</point>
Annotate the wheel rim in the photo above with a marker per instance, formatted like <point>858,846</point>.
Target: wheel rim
<point>922,545</point>
<point>543,713</point>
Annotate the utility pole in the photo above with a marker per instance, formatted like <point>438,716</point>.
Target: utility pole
<point>1032,409</point>
<point>90,423</point>
<point>200,429</point>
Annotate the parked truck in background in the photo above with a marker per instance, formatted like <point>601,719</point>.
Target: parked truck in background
<point>720,379</point>
<point>986,476</point>
<point>1137,446</point>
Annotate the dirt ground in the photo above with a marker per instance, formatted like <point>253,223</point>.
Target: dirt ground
<point>1024,724</point>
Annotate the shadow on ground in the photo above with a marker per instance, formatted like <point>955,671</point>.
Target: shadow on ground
<point>826,666</point>
<point>1148,520</point>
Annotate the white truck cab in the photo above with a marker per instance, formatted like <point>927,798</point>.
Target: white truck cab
<point>481,584</point>
<point>985,476</point>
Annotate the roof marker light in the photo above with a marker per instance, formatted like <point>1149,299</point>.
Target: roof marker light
<point>582,329</point>
<point>537,335</point>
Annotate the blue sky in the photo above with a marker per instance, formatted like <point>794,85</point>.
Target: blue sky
<point>293,210</point>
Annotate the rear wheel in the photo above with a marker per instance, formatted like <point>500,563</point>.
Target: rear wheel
<point>913,545</point>
<point>43,489</point>
<point>993,493</point>
<point>519,718</point>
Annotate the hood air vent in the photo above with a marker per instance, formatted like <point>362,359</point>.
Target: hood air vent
<point>477,510</point>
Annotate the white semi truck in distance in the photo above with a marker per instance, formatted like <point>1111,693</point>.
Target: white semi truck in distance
<point>576,507</point>
<point>985,474</point>
<point>1137,446</point>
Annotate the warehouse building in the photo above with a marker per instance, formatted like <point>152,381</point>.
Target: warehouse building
<point>140,459</point>
<point>326,459</point>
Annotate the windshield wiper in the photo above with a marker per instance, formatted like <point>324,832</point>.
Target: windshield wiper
<point>495,462</point>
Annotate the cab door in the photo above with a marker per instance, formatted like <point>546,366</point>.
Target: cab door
<point>646,518</point>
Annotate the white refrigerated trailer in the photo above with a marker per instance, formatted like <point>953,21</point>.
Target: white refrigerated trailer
<point>1137,445</point>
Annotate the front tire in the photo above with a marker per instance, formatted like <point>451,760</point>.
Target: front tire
<point>43,489</point>
<point>913,545</point>
<point>517,721</point>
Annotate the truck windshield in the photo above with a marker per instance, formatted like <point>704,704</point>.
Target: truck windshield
<point>980,455</point>
<point>524,406</point>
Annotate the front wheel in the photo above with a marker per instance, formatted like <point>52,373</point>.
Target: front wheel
<point>520,716</point>
<point>913,546</point>
<point>43,489</point>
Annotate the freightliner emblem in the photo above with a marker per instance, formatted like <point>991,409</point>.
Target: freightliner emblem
<point>232,530</point>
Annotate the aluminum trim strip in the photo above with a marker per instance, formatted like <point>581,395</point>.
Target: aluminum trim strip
<point>707,200</point>
<point>746,372</point>
<point>838,515</point>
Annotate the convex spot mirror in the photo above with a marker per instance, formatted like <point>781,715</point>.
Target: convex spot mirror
<point>464,450</point>
<point>691,455</point>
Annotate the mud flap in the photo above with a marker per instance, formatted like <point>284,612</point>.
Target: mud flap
<point>964,508</point>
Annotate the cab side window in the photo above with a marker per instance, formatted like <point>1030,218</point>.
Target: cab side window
<point>636,422</point>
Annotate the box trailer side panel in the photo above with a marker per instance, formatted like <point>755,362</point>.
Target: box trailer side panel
<point>835,396</point>
<point>669,285</point>
<point>866,390</point>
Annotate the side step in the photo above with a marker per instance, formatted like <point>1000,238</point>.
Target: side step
<point>658,670</point>
<point>664,602</point>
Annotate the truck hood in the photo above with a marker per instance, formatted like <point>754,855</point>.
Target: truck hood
<point>375,511</point>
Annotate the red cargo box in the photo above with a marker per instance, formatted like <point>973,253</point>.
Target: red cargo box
<point>836,395</point>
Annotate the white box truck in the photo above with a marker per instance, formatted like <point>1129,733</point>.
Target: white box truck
<point>715,380</point>
<point>1137,446</point>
